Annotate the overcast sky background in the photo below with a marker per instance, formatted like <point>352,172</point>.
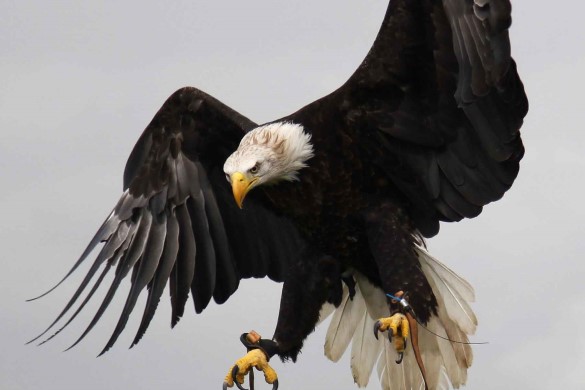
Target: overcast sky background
<point>79,81</point>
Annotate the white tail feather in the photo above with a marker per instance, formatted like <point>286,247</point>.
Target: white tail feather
<point>464,288</point>
<point>450,291</point>
<point>446,363</point>
<point>374,297</point>
<point>404,376</point>
<point>432,359</point>
<point>343,324</point>
<point>326,310</point>
<point>365,350</point>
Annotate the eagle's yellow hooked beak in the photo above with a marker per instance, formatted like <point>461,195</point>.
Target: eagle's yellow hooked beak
<point>241,185</point>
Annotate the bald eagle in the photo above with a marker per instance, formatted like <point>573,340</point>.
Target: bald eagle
<point>334,200</point>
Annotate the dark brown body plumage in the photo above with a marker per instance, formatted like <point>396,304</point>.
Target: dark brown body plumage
<point>426,130</point>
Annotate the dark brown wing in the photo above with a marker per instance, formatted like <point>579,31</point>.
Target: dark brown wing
<point>177,221</point>
<point>436,107</point>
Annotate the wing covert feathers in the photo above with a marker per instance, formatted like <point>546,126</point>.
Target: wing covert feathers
<point>436,108</point>
<point>446,363</point>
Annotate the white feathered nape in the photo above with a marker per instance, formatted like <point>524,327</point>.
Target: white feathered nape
<point>446,363</point>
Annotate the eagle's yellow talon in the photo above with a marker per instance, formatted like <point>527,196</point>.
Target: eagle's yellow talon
<point>254,358</point>
<point>398,328</point>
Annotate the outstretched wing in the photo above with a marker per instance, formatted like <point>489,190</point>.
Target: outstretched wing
<point>436,106</point>
<point>177,221</point>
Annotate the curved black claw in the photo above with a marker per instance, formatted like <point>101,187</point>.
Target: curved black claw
<point>275,385</point>
<point>400,357</point>
<point>401,354</point>
<point>235,371</point>
<point>224,387</point>
<point>377,325</point>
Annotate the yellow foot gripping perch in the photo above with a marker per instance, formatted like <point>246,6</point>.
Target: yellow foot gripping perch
<point>398,328</point>
<point>402,324</point>
<point>258,357</point>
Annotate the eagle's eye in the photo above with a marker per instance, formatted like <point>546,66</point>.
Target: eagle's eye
<point>228,178</point>
<point>254,169</point>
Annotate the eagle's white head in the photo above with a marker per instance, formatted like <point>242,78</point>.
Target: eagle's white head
<point>266,155</point>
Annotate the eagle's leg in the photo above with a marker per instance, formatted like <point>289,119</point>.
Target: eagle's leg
<point>309,283</point>
<point>392,240</point>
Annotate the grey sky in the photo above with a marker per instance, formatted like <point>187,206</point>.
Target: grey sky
<point>80,81</point>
